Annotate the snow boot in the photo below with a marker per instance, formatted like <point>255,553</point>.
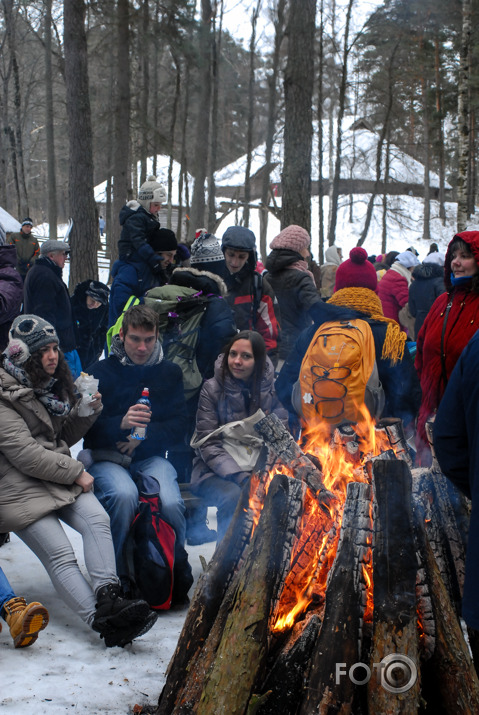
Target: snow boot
<point>25,620</point>
<point>123,635</point>
<point>115,614</point>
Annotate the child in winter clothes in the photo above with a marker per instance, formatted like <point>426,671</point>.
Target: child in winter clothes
<point>139,219</point>
<point>90,319</point>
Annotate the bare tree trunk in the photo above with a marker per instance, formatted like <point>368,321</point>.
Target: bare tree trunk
<point>121,151</point>
<point>251,87</point>
<point>198,206</point>
<point>49,115</point>
<point>320,136</point>
<point>272,103</point>
<point>298,127</point>
<point>174,115</point>
<point>214,123</point>
<point>342,101</point>
<point>16,134</point>
<point>440,129</point>
<point>385,196</point>
<point>379,151</point>
<point>84,235</point>
<point>143,124</point>
<point>463,114</point>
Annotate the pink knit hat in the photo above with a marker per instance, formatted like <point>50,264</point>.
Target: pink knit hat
<point>356,272</point>
<point>293,237</point>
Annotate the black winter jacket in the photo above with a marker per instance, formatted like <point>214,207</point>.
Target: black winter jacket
<point>46,295</point>
<point>138,225</point>
<point>90,326</point>
<point>427,285</point>
<point>11,291</point>
<point>296,293</point>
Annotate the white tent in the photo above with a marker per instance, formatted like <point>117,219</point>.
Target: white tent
<point>9,223</point>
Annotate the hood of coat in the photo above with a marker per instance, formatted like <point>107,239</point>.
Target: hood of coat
<point>281,258</point>
<point>424,271</point>
<point>472,240</point>
<point>8,256</point>
<point>332,256</point>
<point>130,208</point>
<point>11,389</point>
<point>233,385</point>
<point>199,280</point>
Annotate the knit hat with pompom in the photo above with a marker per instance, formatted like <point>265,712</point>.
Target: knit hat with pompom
<point>293,237</point>
<point>356,272</point>
<point>151,192</point>
<point>28,334</point>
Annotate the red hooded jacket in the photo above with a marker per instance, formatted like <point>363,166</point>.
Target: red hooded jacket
<point>461,324</point>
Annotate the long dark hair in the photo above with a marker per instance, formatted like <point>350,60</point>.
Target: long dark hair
<point>259,353</point>
<point>63,387</point>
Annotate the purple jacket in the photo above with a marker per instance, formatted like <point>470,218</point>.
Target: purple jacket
<point>11,291</point>
<point>218,406</point>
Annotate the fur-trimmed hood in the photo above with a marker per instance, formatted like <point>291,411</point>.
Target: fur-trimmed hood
<point>206,281</point>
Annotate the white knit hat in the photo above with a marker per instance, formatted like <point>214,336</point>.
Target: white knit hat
<point>151,192</point>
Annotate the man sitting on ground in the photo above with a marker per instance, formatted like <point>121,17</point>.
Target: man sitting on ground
<point>136,361</point>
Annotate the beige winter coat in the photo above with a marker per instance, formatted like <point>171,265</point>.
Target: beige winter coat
<point>37,473</point>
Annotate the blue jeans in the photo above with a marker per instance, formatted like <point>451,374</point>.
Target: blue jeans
<point>116,490</point>
<point>6,592</point>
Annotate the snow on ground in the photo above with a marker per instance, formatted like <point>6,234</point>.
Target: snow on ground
<point>68,669</point>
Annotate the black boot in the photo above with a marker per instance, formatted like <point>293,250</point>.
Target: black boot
<point>119,619</point>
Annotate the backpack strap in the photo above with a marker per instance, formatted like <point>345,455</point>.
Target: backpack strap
<point>257,295</point>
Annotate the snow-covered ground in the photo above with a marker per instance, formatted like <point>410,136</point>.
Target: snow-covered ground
<point>68,669</point>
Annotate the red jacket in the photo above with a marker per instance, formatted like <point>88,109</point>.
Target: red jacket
<point>393,292</point>
<point>462,323</point>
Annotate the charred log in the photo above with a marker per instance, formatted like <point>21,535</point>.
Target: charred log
<point>231,681</point>
<point>393,428</point>
<point>330,691</point>
<point>394,685</point>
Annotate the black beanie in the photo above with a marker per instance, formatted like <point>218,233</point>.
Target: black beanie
<point>162,239</point>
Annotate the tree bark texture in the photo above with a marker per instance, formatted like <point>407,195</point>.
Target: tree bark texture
<point>49,124</point>
<point>298,128</point>
<point>84,235</point>
<point>463,115</point>
<point>394,572</point>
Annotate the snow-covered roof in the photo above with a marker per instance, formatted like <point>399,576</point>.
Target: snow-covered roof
<point>9,223</point>
<point>359,148</point>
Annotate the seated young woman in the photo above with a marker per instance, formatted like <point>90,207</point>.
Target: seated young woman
<point>243,383</point>
<point>43,485</point>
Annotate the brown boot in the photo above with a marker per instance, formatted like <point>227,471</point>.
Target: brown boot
<point>25,620</point>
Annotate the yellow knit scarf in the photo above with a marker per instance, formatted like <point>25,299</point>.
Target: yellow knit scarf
<point>367,302</point>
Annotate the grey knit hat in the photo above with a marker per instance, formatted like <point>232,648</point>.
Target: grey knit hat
<point>28,334</point>
<point>50,246</point>
<point>206,249</point>
<point>151,192</point>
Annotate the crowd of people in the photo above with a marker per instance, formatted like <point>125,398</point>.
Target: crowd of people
<point>219,341</point>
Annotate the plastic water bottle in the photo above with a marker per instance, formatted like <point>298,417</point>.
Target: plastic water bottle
<point>140,432</point>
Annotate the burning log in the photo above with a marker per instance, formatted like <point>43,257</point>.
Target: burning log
<point>393,428</point>
<point>282,689</point>
<point>394,687</point>
<point>210,592</point>
<point>454,676</point>
<point>230,682</point>
<point>330,691</point>
<point>281,442</point>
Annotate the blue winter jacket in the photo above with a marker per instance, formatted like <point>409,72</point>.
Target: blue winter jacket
<point>456,443</point>
<point>120,387</point>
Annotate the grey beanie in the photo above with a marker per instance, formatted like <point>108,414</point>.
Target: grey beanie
<point>50,246</point>
<point>151,192</point>
<point>206,249</point>
<point>28,334</point>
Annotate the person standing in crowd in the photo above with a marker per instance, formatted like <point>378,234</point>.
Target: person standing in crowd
<point>456,445</point>
<point>133,276</point>
<point>393,288</point>
<point>11,288</point>
<point>47,295</point>
<point>115,457</point>
<point>333,256</point>
<point>426,286</point>
<point>28,248</point>
<point>139,219</point>
<point>43,485</point>
<point>25,620</point>
<point>90,319</point>
<point>355,297</point>
<point>450,324</point>
<point>293,284</point>
<point>101,226</point>
<point>250,294</point>
<point>242,384</point>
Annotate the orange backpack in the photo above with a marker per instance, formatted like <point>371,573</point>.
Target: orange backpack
<point>338,370</point>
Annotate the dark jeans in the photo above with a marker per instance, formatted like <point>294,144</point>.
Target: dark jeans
<point>224,495</point>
